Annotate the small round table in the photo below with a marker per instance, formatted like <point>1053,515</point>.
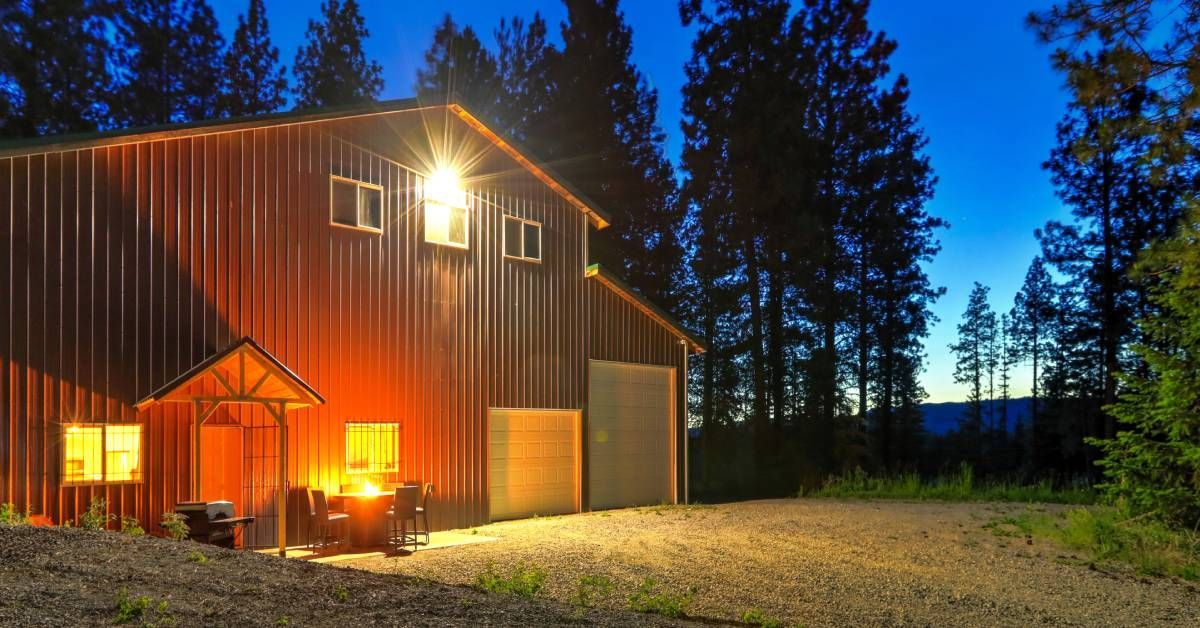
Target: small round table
<point>367,527</point>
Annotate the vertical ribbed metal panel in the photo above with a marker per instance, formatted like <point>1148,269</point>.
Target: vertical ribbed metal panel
<point>124,265</point>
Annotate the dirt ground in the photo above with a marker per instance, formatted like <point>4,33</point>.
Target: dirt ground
<point>71,577</point>
<point>822,563</point>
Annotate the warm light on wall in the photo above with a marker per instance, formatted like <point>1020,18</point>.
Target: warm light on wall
<point>445,187</point>
<point>102,453</point>
<point>445,209</point>
<point>372,448</point>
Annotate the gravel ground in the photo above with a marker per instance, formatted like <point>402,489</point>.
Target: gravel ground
<point>71,577</point>
<point>823,563</point>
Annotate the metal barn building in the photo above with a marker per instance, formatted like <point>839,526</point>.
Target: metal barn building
<point>246,308</point>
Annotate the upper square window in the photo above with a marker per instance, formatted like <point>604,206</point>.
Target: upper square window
<point>355,204</point>
<point>522,239</point>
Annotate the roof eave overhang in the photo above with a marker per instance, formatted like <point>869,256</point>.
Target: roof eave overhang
<point>648,307</point>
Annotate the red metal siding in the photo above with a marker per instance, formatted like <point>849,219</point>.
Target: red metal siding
<point>127,264</point>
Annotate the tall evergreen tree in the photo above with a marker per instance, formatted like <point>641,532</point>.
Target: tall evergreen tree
<point>1032,313</point>
<point>607,141</point>
<point>1154,460</point>
<point>525,64</point>
<point>253,81</point>
<point>457,64</point>
<point>331,67</point>
<point>169,55</point>
<point>970,367</point>
<point>53,66</point>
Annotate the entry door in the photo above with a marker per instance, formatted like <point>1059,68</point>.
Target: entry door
<point>631,424</point>
<point>532,462</point>
<point>221,464</point>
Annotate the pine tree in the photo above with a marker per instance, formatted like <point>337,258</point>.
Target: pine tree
<point>603,136</point>
<point>253,81</point>
<point>1154,460</point>
<point>970,367</point>
<point>525,63</point>
<point>332,68</point>
<point>1033,309</point>
<point>53,66</point>
<point>457,65</point>
<point>169,55</point>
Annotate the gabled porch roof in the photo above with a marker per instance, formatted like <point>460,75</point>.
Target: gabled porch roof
<point>244,373</point>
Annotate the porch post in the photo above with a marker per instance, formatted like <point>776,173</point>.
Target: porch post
<point>197,421</point>
<point>281,420</point>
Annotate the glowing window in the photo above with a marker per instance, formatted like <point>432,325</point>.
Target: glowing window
<point>522,239</point>
<point>102,453</point>
<point>355,204</point>
<point>446,218</point>
<point>372,447</point>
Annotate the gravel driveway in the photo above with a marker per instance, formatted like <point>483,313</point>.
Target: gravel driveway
<point>60,577</point>
<point>822,562</point>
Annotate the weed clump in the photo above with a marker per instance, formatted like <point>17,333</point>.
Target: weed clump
<point>522,580</point>
<point>645,600</point>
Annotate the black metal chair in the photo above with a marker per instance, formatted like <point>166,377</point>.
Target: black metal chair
<point>325,526</point>
<point>404,509</point>
<point>423,510</point>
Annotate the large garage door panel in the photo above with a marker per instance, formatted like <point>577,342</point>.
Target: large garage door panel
<point>532,463</point>
<point>630,425</point>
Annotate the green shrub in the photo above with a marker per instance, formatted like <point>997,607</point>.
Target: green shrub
<point>11,516</point>
<point>131,526</point>
<point>175,525</point>
<point>96,517</point>
<point>130,608</point>
<point>522,580</point>
<point>341,593</point>
<point>645,600</point>
<point>755,617</point>
<point>590,589</point>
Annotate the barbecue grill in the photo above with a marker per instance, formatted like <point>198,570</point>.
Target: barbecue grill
<point>214,523</point>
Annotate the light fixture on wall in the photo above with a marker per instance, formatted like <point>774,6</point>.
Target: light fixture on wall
<point>444,186</point>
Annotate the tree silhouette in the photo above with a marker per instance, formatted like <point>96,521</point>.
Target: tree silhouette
<point>331,67</point>
<point>253,80</point>
<point>169,60</point>
<point>53,66</point>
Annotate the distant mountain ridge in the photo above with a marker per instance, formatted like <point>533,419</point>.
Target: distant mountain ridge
<point>944,417</point>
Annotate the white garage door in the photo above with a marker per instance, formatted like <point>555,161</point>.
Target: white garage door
<point>631,414</point>
<point>532,462</point>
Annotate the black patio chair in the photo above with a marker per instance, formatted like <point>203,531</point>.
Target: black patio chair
<point>404,509</point>
<point>326,529</point>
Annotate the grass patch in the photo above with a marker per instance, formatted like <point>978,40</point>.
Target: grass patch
<point>522,580</point>
<point>956,487</point>
<point>589,589</point>
<point>755,617</point>
<point>645,600</point>
<point>1109,538</point>
<point>198,557</point>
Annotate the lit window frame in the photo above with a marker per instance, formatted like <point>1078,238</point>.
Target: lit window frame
<point>393,427</point>
<point>137,474</point>
<point>458,204</point>
<point>523,222</point>
<point>358,210</point>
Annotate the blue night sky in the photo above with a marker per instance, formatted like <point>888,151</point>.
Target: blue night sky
<point>981,85</point>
